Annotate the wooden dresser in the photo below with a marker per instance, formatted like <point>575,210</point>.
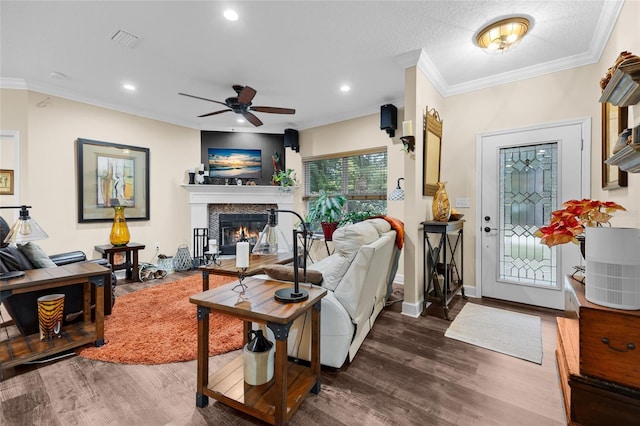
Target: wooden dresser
<point>598,354</point>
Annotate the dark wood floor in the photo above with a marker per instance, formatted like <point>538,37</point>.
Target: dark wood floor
<point>405,373</point>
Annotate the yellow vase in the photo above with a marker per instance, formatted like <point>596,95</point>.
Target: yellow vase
<point>119,231</point>
<point>441,207</point>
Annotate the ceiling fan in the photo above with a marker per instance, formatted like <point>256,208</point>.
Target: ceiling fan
<point>241,104</point>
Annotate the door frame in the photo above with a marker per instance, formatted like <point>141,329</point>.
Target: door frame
<point>585,185</point>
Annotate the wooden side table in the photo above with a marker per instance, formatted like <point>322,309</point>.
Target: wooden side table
<point>276,401</point>
<point>256,266</point>
<point>20,349</point>
<point>109,251</point>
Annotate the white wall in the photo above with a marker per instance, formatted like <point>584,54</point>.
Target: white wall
<point>48,170</point>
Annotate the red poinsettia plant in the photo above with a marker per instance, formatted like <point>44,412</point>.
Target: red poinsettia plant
<point>566,224</point>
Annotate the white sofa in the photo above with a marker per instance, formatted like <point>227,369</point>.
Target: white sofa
<point>357,276</point>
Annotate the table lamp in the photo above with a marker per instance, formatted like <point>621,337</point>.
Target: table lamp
<point>270,240</point>
<point>24,230</point>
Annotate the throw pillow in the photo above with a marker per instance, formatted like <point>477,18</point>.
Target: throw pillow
<point>36,255</point>
<point>285,273</point>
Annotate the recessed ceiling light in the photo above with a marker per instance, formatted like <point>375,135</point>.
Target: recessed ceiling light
<point>129,87</point>
<point>56,74</point>
<point>240,120</point>
<point>231,15</point>
<point>345,88</point>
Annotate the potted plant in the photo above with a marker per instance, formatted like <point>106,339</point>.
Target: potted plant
<point>327,209</point>
<point>285,178</point>
<point>568,224</point>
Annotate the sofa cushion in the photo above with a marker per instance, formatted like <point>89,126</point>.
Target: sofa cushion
<point>381,225</point>
<point>36,255</point>
<point>348,239</point>
<point>14,260</point>
<point>285,273</point>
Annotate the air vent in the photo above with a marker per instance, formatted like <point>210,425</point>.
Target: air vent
<point>123,38</point>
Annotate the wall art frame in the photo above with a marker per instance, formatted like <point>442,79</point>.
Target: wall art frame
<point>432,151</point>
<point>614,121</point>
<point>7,182</point>
<point>110,175</point>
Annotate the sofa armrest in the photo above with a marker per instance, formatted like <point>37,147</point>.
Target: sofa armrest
<point>67,258</point>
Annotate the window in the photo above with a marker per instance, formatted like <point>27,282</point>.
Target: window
<point>361,177</point>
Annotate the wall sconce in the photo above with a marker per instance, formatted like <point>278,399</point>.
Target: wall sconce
<point>24,230</point>
<point>407,138</point>
<point>398,193</point>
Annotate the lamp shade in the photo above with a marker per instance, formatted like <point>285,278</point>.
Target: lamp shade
<point>398,193</point>
<point>25,229</point>
<point>502,35</point>
<point>271,240</point>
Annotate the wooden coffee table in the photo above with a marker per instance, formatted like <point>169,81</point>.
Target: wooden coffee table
<point>275,401</point>
<point>256,265</point>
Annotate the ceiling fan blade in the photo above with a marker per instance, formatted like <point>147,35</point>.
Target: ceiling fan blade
<point>252,119</point>
<point>214,113</point>
<point>273,110</point>
<point>246,95</point>
<point>202,99</point>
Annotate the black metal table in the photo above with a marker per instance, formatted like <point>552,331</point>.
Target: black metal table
<point>441,271</point>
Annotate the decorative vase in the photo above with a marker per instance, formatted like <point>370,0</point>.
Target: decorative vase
<point>441,207</point>
<point>119,230</point>
<point>328,228</point>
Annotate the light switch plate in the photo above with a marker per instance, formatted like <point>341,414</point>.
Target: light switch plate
<point>462,203</point>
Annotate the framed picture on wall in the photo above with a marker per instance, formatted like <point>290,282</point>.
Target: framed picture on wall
<point>614,121</point>
<point>112,175</point>
<point>6,182</point>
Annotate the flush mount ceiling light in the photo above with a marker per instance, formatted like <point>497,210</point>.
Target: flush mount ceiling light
<point>502,35</point>
<point>231,15</point>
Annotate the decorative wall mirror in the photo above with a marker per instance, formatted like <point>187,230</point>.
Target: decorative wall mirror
<point>614,121</point>
<point>432,148</point>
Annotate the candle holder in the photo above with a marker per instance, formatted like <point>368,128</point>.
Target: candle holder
<point>240,287</point>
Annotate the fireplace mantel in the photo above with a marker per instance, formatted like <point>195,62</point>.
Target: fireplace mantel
<point>201,196</point>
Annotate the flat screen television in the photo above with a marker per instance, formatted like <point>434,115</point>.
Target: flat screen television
<point>235,163</point>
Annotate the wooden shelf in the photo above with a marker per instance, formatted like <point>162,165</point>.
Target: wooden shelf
<point>624,87</point>
<point>21,349</point>
<point>627,159</point>
<point>227,385</point>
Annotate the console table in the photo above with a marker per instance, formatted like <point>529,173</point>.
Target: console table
<point>440,259</point>
<point>20,349</point>
<point>109,251</point>
<point>276,401</point>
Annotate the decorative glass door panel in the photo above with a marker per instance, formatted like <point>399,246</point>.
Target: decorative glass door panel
<point>528,194</point>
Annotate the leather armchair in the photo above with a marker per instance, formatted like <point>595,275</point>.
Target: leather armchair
<point>23,307</point>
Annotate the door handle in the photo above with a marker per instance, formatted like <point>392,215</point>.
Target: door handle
<point>487,229</point>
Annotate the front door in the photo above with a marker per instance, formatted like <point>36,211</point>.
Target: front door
<point>525,175</point>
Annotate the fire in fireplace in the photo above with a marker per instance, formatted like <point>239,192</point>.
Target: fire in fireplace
<point>232,226</point>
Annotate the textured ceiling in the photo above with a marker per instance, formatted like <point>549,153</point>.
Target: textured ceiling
<point>295,54</point>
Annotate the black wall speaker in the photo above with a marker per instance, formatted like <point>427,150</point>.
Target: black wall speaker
<point>291,139</point>
<point>389,119</point>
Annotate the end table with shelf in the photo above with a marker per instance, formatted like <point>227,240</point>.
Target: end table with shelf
<point>441,243</point>
<point>274,402</point>
<point>130,264</point>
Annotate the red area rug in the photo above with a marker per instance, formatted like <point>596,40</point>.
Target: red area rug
<point>158,325</point>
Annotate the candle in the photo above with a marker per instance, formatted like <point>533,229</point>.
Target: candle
<point>242,254</point>
<point>213,245</point>
<point>407,128</point>
<point>201,166</point>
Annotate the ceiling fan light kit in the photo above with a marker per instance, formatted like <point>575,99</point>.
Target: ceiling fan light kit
<point>242,104</point>
<point>503,35</point>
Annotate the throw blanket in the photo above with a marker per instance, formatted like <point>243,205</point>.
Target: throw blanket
<point>397,225</point>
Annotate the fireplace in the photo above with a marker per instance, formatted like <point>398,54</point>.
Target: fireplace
<point>232,226</point>
<point>206,201</point>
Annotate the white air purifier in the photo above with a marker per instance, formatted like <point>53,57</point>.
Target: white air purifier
<point>613,267</point>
